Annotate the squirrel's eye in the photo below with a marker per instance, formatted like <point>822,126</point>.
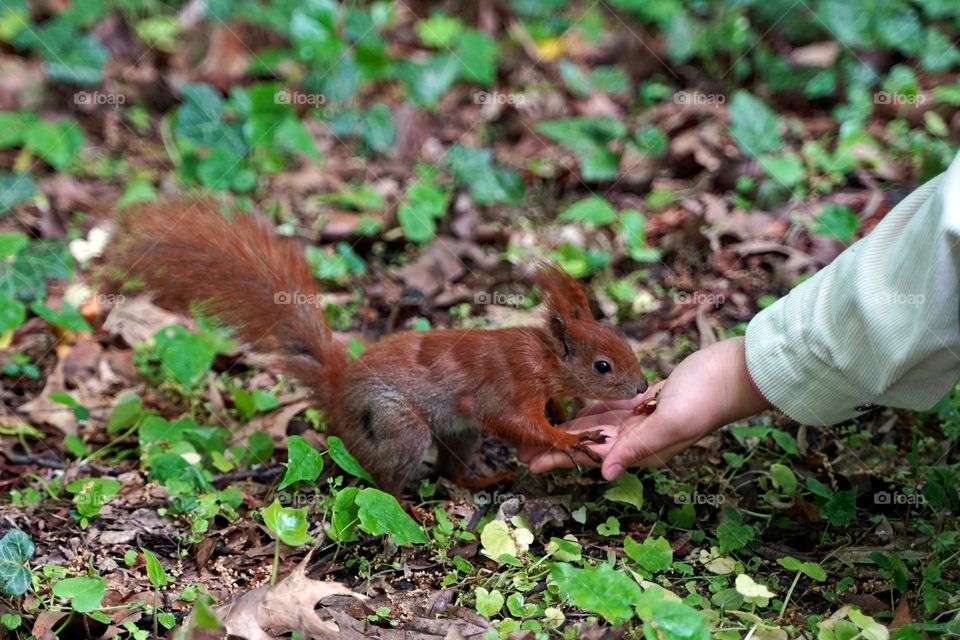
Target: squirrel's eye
<point>602,366</point>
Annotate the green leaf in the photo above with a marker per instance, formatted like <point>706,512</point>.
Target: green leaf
<point>477,54</point>
<point>304,463</point>
<point>377,128</point>
<point>668,619</point>
<point>380,513</point>
<point>502,544</point>
<point>12,312</point>
<point>633,229</point>
<point>841,509</point>
<point>734,535</point>
<point>289,524</point>
<point>439,30</point>
<point>489,603</point>
<point>611,527</point>
<point>16,549</point>
<point>593,210</point>
<point>787,169</point>
<point>589,138</point>
<point>84,594</point>
<point>428,81</point>
<point>653,554</point>
<point>126,413</point>
<point>25,278</point>
<point>783,478</point>
<point>810,569</point>
<point>346,515</point>
<point>488,184</point>
<point>68,317</point>
<point>184,356</point>
<point>424,202</point>
<point>155,572</point>
<point>14,189</point>
<point>601,589</point>
<point>345,460</point>
<point>90,494</point>
<point>56,142</point>
<point>626,488</point>
<point>836,221</point>
<point>754,126</point>
<point>12,243</point>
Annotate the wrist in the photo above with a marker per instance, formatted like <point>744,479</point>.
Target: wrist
<point>744,397</point>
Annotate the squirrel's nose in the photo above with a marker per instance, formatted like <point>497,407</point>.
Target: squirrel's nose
<point>642,387</point>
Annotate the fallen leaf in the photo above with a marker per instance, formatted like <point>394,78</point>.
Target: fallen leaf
<point>267,612</point>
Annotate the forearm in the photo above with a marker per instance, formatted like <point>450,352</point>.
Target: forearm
<point>879,325</point>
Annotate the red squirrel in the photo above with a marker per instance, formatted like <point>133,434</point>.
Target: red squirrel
<point>409,388</point>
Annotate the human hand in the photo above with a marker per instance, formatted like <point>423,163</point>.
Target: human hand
<point>707,390</point>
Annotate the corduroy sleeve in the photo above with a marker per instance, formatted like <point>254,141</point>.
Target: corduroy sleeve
<point>880,325</point>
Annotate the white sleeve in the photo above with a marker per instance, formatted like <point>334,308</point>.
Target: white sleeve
<point>880,325</point>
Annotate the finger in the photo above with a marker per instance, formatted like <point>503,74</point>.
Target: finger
<point>647,441</point>
<point>663,458</point>
<point>526,454</point>
<point>554,459</point>
<point>611,422</point>
<point>616,405</point>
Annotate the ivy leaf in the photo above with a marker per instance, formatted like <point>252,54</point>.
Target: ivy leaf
<point>428,81</point>
<point>304,463</point>
<point>289,524</point>
<point>626,488</point>
<point>16,549</point>
<point>500,543</point>
<point>633,229</point>
<point>783,478</point>
<point>787,169</point>
<point>840,509</point>
<point>14,189</point>
<point>754,126</point>
<point>836,221</point>
<point>380,513</point>
<point>593,210</point>
<point>424,202</point>
<point>12,312</point>
<point>68,317</point>
<point>84,594</point>
<point>378,129</point>
<point>601,589</point>
<point>345,460</point>
<point>56,142</point>
<point>184,355</point>
<point>653,554</point>
<point>474,167</point>
<point>477,53</point>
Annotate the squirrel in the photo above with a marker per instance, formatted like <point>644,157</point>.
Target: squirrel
<point>407,389</point>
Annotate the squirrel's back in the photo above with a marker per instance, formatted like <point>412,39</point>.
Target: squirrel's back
<point>240,272</point>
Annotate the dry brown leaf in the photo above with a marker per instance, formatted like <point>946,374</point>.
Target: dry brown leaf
<point>285,607</point>
<point>902,615</point>
<point>138,319</point>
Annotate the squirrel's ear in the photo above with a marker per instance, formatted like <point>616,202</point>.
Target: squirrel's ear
<point>562,294</point>
<point>558,329</point>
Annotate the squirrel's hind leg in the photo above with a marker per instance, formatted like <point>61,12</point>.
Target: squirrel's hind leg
<point>453,458</point>
<point>390,443</point>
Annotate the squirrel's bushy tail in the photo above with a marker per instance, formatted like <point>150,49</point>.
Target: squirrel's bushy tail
<point>241,273</point>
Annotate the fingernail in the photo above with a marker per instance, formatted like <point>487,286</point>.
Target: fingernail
<point>614,471</point>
